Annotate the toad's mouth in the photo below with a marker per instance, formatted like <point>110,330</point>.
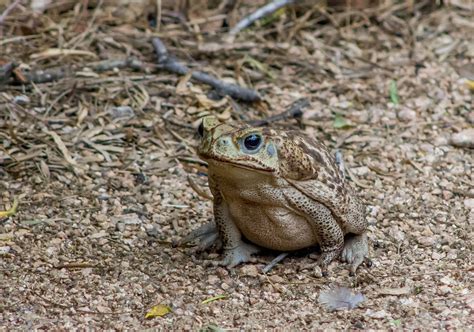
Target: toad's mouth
<point>238,163</point>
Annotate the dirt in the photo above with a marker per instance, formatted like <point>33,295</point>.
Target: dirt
<point>101,161</point>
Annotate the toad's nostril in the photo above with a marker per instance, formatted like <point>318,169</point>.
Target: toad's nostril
<point>224,141</point>
<point>200,129</point>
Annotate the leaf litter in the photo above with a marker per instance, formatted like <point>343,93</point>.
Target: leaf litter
<point>90,136</point>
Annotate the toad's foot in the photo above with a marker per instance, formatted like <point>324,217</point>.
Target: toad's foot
<point>356,249</point>
<point>239,254</point>
<point>206,236</point>
<point>327,256</point>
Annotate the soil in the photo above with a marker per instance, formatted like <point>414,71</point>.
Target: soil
<point>103,163</point>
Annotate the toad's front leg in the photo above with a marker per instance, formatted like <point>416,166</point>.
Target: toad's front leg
<point>206,236</point>
<point>235,250</point>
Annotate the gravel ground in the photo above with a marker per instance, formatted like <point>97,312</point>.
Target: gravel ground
<point>91,243</point>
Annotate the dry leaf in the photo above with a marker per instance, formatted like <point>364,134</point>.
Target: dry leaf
<point>209,103</point>
<point>224,116</point>
<point>44,169</point>
<point>159,310</point>
<point>470,84</point>
<point>11,211</point>
<point>82,114</point>
<point>182,87</point>
<point>61,146</point>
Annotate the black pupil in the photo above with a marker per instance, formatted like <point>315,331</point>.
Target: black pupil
<point>201,130</point>
<point>252,142</point>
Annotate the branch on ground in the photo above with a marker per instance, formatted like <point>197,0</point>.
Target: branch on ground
<point>168,63</point>
<point>266,10</point>
<point>9,75</point>
<point>274,262</point>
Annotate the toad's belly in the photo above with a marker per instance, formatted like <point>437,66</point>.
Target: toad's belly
<point>274,228</point>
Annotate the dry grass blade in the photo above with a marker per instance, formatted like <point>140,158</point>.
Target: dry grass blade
<point>61,146</point>
<point>54,52</point>
<point>198,189</point>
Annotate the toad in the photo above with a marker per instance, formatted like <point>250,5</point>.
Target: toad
<point>280,190</point>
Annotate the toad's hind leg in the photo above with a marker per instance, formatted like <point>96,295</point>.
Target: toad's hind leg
<point>356,249</point>
<point>356,220</point>
<point>327,231</point>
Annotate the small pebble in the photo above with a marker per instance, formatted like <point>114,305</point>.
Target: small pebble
<point>276,279</point>
<point>469,203</point>
<point>360,171</point>
<point>120,226</point>
<point>470,117</point>
<point>21,100</point>
<point>249,270</point>
<point>463,139</point>
<point>225,286</point>
<point>317,272</point>
<point>407,115</point>
<point>5,250</point>
<point>151,230</point>
<point>212,279</point>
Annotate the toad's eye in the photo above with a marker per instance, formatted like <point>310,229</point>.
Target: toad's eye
<point>201,129</point>
<point>252,142</point>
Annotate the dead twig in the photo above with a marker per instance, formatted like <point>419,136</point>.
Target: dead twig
<point>356,180</point>
<point>274,262</point>
<point>201,192</point>
<point>57,73</point>
<point>107,65</point>
<point>45,76</point>
<point>75,266</point>
<point>170,64</point>
<point>258,14</point>
<point>295,111</point>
